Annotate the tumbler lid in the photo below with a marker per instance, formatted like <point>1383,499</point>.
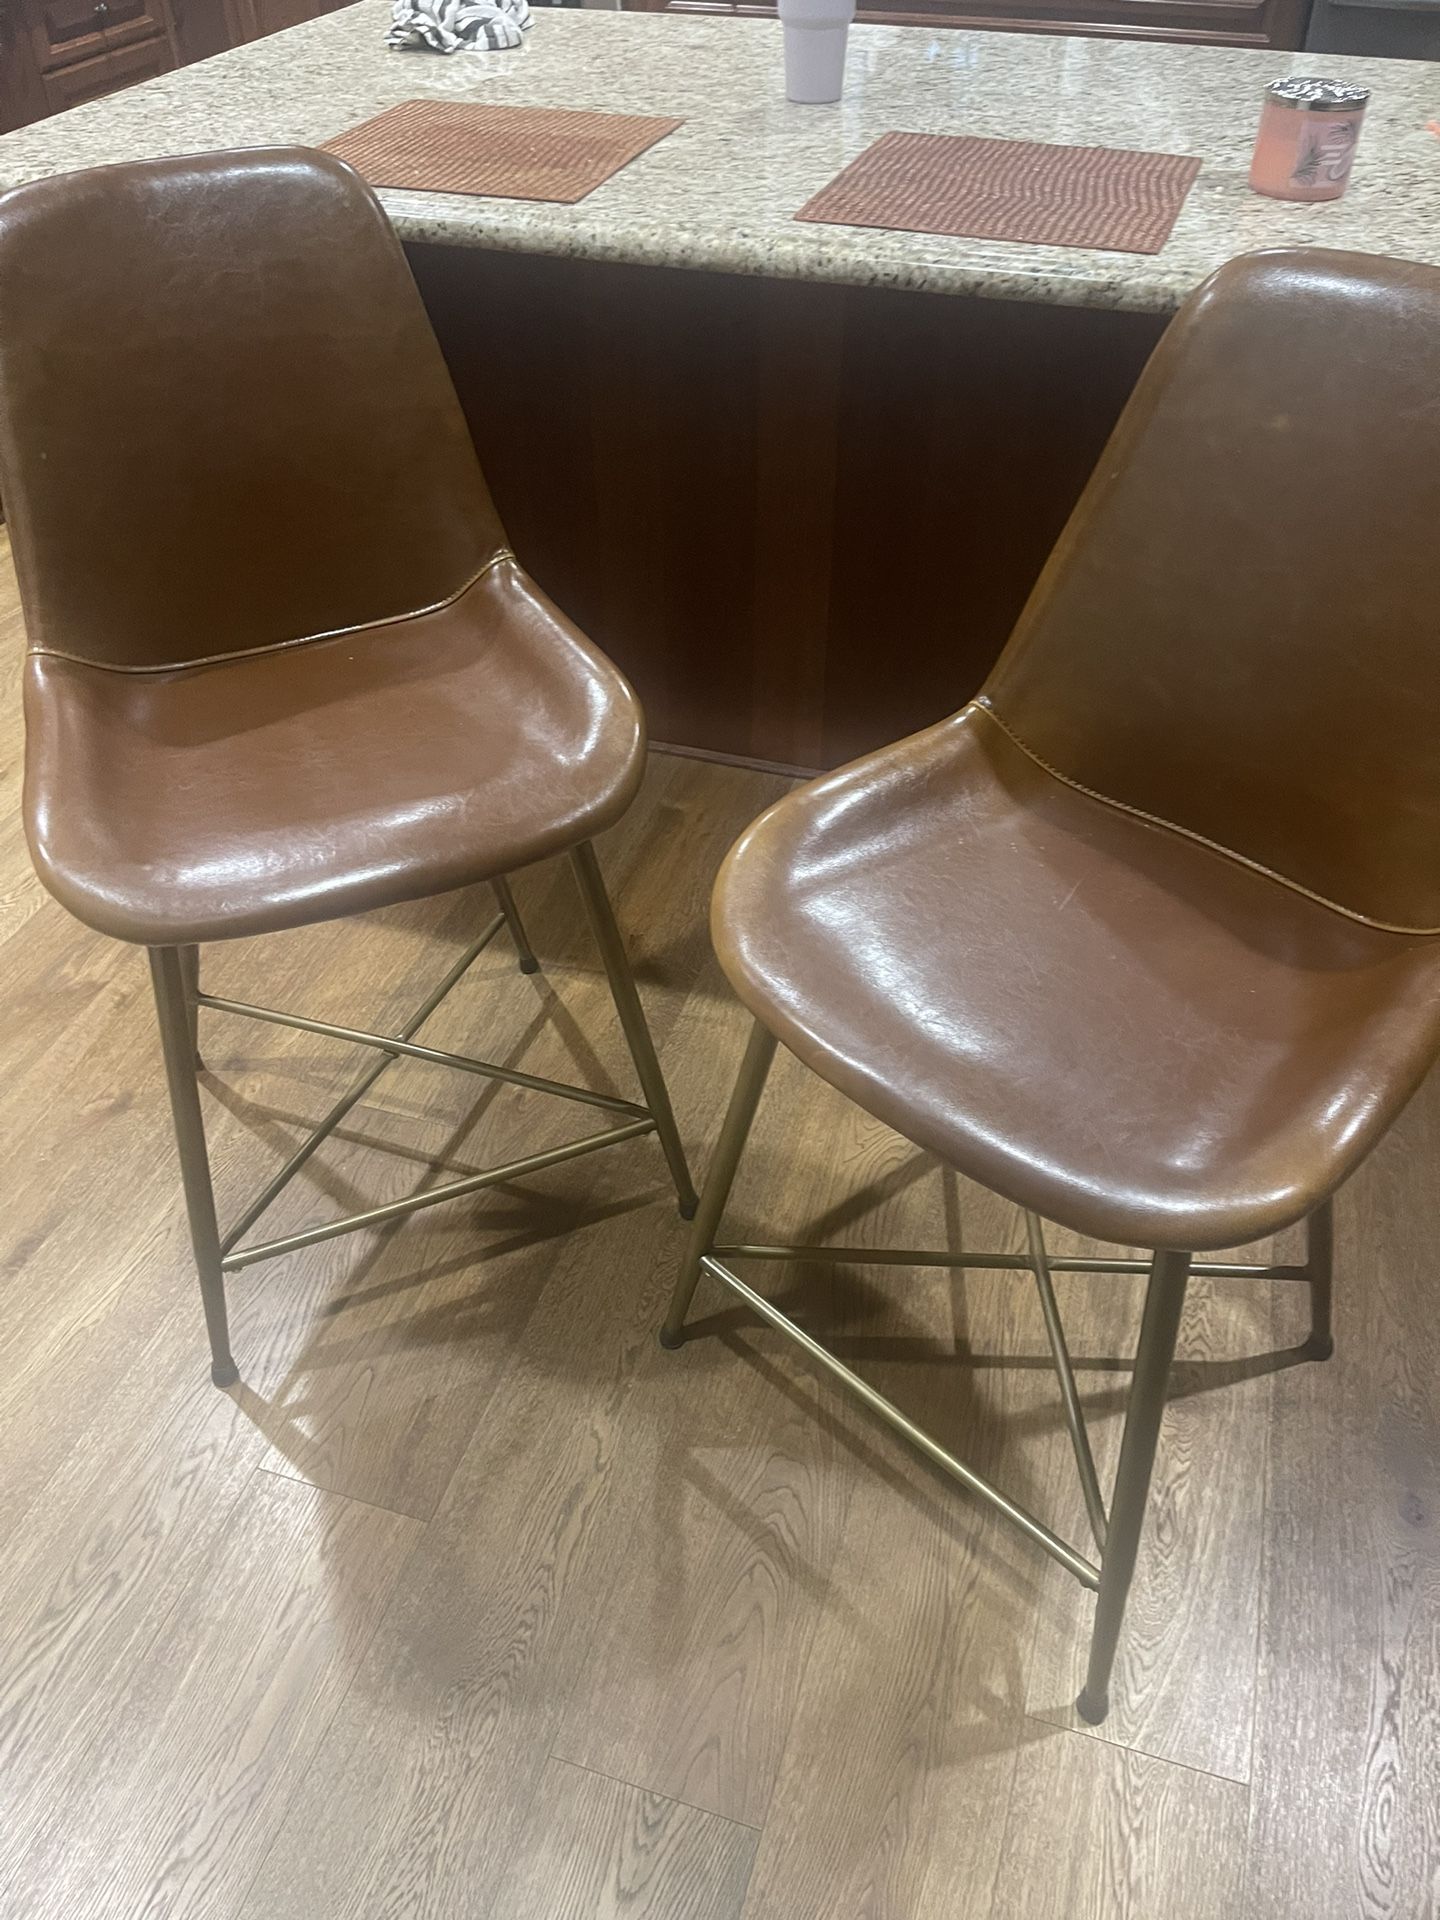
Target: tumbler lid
<point>1317,96</point>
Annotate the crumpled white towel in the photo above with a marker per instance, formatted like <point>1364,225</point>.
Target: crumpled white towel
<point>458,26</point>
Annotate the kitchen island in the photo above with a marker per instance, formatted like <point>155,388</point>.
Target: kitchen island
<point>796,479</point>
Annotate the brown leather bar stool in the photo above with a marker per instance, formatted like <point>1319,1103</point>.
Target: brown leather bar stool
<point>283,665</point>
<point>1145,938</point>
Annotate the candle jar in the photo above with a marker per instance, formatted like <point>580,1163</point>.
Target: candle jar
<point>1307,138</point>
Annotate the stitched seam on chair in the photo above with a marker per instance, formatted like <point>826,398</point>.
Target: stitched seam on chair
<point>1199,839</point>
<point>277,646</point>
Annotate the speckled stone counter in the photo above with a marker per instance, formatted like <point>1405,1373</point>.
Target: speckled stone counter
<point>720,193</point>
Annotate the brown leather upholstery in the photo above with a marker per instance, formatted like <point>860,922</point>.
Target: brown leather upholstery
<point>980,936</point>
<point>1237,631</point>
<point>283,667</point>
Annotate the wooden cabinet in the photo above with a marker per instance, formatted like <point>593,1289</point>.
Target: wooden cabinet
<point>1223,23</point>
<point>81,80</point>
<point>60,53</point>
<point>65,30</point>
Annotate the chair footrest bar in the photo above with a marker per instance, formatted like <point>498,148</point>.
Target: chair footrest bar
<point>275,1186</point>
<point>999,1262</point>
<point>411,1050</point>
<point>434,1196</point>
<point>876,1256</point>
<point>1036,1530</point>
<point>1215,1269</point>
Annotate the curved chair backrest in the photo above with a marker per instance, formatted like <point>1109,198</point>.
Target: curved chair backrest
<point>225,423</point>
<point>1239,631</point>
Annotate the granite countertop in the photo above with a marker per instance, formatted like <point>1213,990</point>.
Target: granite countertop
<point>720,193</point>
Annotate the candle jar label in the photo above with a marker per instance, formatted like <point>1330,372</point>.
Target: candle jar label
<point>1326,149</point>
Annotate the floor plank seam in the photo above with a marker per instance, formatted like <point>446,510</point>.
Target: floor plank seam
<point>335,1493</point>
<point>1141,1753</point>
<point>637,1786</point>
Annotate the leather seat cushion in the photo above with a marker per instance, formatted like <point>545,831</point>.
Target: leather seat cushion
<point>329,777</point>
<point>1139,1037</point>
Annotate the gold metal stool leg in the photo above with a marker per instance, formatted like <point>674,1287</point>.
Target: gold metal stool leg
<point>1164,1300</point>
<point>174,1003</point>
<point>632,1018</point>
<point>1320,1260</point>
<point>190,974</point>
<point>506,901</point>
<point>1118,1533</point>
<point>721,1177</point>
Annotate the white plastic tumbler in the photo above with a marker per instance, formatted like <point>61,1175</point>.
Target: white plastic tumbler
<point>815,35</point>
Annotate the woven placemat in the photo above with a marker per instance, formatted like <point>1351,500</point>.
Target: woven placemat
<point>1106,197</point>
<point>514,153</point>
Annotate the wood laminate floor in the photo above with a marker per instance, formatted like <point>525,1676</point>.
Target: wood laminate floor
<point>470,1601</point>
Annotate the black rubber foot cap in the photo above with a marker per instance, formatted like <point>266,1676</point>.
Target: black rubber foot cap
<point>671,1341</point>
<point>688,1209</point>
<point>1092,1709</point>
<point>224,1373</point>
<point>529,966</point>
<point>1316,1348</point>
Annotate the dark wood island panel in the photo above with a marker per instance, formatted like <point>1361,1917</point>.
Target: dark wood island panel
<point>802,517</point>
